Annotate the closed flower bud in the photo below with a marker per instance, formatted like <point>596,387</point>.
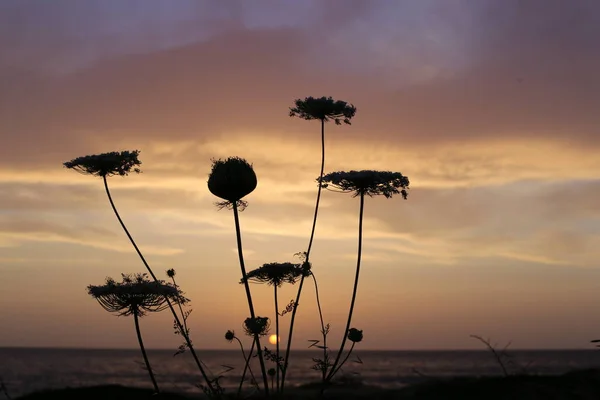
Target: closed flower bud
<point>354,335</point>
<point>231,179</point>
<point>229,336</point>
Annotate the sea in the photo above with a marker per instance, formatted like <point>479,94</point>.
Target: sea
<point>25,370</point>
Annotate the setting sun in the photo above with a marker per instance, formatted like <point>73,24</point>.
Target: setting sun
<point>273,339</point>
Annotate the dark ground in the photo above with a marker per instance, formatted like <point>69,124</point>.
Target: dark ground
<point>575,385</point>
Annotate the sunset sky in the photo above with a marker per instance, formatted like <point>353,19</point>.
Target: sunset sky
<point>490,107</point>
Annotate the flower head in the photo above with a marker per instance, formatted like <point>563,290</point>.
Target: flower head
<point>354,335</point>
<point>257,326</point>
<point>231,180</point>
<point>275,274</point>
<point>229,335</point>
<point>171,273</point>
<point>368,182</point>
<point>324,109</point>
<point>107,164</point>
<point>135,294</point>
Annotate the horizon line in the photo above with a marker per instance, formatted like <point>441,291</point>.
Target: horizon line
<point>3,347</point>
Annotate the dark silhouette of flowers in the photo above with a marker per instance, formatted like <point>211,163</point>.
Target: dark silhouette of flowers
<point>122,163</point>
<point>322,109</point>
<point>107,164</point>
<point>367,182</point>
<point>231,179</point>
<point>362,183</point>
<point>276,274</point>
<point>137,296</point>
<point>354,335</point>
<point>229,336</point>
<point>257,326</point>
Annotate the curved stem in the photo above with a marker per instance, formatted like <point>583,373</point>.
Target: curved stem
<point>310,242</point>
<point>246,365</point>
<point>177,321</point>
<point>323,332</point>
<point>238,233</point>
<point>345,359</point>
<point>139,336</point>
<point>360,226</point>
<point>277,337</point>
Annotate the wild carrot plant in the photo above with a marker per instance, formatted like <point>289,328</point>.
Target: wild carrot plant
<point>122,163</point>
<point>231,180</point>
<point>361,184</point>
<point>323,109</point>
<point>136,296</point>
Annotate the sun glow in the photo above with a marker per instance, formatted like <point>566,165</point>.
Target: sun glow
<point>273,339</point>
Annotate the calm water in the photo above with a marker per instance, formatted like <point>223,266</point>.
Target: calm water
<point>25,370</point>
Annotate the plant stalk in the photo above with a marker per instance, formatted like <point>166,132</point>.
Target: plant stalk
<point>246,365</point>
<point>360,229</point>
<point>277,336</point>
<point>177,321</point>
<point>310,242</point>
<point>249,295</point>
<point>139,336</point>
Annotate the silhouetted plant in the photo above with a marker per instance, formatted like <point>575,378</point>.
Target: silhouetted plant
<point>323,109</point>
<point>122,163</point>
<point>136,296</point>
<point>232,179</point>
<point>184,317</point>
<point>275,274</point>
<point>361,183</point>
<point>503,357</point>
<point>230,337</point>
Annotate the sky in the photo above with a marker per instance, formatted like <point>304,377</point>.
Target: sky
<point>490,107</point>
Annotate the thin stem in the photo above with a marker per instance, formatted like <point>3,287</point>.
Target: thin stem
<point>139,336</point>
<point>246,365</point>
<point>238,233</point>
<point>177,321</point>
<point>345,359</point>
<point>181,309</point>
<point>277,336</point>
<point>360,229</point>
<point>310,242</point>
<point>291,332</point>
<point>325,355</point>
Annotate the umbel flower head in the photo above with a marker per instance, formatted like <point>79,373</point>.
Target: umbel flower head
<point>354,335</point>
<point>367,182</point>
<point>275,274</point>
<point>324,109</point>
<point>257,326</point>
<point>135,294</point>
<point>231,179</point>
<point>107,164</point>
